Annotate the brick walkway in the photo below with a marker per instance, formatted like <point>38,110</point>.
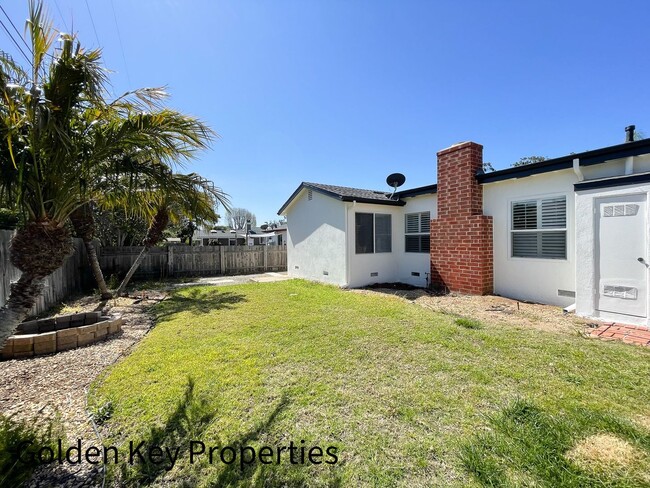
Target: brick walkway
<point>631,334</point>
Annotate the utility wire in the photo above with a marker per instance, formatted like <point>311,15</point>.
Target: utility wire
<point>15,42</point>
<point>17,31</point>
<point>62,18</point>
<point>119,37</point>
<point>92,21</point>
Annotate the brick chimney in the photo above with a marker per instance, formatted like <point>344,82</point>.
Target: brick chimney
<point>461,236</point>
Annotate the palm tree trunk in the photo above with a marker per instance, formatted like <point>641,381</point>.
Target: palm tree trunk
<point>83,222</point>
<point>132,270</point>
<point>21,300</point>
<point>96,269</point>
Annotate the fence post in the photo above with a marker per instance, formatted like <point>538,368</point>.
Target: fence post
<point>222,259</point>
<point>266,260</point>
<point>170,261</point>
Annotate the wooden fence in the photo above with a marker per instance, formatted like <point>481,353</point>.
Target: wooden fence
<point>175,261</point>
<point>73,276</point>
<point>161,262</point>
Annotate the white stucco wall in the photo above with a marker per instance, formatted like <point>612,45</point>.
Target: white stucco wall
<point>586,265</point>
<point>409,261</point>
<point>531,279</point>
<point>316,239</point>
<point>397,265</point>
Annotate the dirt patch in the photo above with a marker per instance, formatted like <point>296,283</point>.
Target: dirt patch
<point>643,421</point>
<point>492,309</point>
<point>604,452</point>
<point>47,387</point>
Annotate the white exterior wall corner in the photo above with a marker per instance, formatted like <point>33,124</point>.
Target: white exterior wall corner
<point>397,265</point>
<point>536,280</point>
<point>586,235</point>
<point>316,238</point>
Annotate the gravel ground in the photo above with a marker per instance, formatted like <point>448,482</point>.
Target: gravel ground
<point>55,385</point>
<point>494,310</point>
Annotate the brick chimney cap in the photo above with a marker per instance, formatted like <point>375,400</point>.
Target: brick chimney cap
<point>459,145</point>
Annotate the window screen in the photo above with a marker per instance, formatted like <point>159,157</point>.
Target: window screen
<point>383,233</point>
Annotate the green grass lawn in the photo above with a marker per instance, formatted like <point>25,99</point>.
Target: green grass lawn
<point>407,396</point>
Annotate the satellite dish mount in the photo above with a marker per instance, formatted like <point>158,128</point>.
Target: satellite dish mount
<point>395,180</point>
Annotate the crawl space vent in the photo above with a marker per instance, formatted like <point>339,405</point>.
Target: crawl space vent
<point>566,293</point>
<point>374,273</point>
<point>415,273</point>
<point>620,210</point>
<point>624,292</point>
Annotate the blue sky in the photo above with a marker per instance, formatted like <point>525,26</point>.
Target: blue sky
<point>346,92</point>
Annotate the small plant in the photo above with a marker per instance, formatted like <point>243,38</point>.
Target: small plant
<point>468,323</point>
<point>27,438</point>
<point>113,281</point>
<point>102,413</point>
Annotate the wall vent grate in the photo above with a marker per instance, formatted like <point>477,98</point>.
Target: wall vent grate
<point>624,292</point>
<point>620,210</point>
<point>415,273</point>
<point>310,195</point>
<point>374,273</point>
<point>326,273</point>
<point>566,293</point>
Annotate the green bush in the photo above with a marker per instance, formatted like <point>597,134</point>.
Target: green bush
<point>13,437</point>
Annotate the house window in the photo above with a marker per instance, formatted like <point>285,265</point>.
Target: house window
<point>539,228</point>
<point>373,233</point>
<point>417,232</point>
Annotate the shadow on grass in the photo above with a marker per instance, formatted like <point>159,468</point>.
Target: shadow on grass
<point>256,473</point>
<point>189,421</point>
<point>527,446</point>
<point>198,301</point>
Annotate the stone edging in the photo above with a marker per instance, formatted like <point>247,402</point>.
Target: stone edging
<point>28,345</point>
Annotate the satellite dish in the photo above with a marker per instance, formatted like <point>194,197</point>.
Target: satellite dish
<point>395,180</point>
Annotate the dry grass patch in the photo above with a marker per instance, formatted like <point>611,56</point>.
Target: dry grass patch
<point>602,451</point>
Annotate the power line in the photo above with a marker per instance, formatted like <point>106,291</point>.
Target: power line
<point>92,21</point>
<point>119,37</point>
<point>56,4</point>
<point>17,31</point>
<point>15,42</point>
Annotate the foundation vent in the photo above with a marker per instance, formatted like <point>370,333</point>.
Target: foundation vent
<point>374,273</point>
<point>326,273</point>
<point>624,292</point>
<point>415,273</point>
<point>566,293</point>
<point>620,210</point>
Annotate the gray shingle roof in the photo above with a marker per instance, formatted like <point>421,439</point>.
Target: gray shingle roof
<point>344,191</point>
<point>348,194</point>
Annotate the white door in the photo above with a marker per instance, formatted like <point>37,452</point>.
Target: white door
<point>622,255</point>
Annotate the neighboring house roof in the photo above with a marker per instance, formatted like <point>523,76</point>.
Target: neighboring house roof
<point>347,194</point>
<point>586,158</point>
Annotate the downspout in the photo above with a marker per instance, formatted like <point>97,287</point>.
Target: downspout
<point>577,170</point>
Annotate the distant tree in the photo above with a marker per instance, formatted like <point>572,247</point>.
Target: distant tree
<point>186,230</point>
<point>274,224</point>
<point>529,160</point>
<point>237,218</point>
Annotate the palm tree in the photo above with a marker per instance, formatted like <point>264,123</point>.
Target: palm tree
<point>189,196</point>
<point>58,136</point>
